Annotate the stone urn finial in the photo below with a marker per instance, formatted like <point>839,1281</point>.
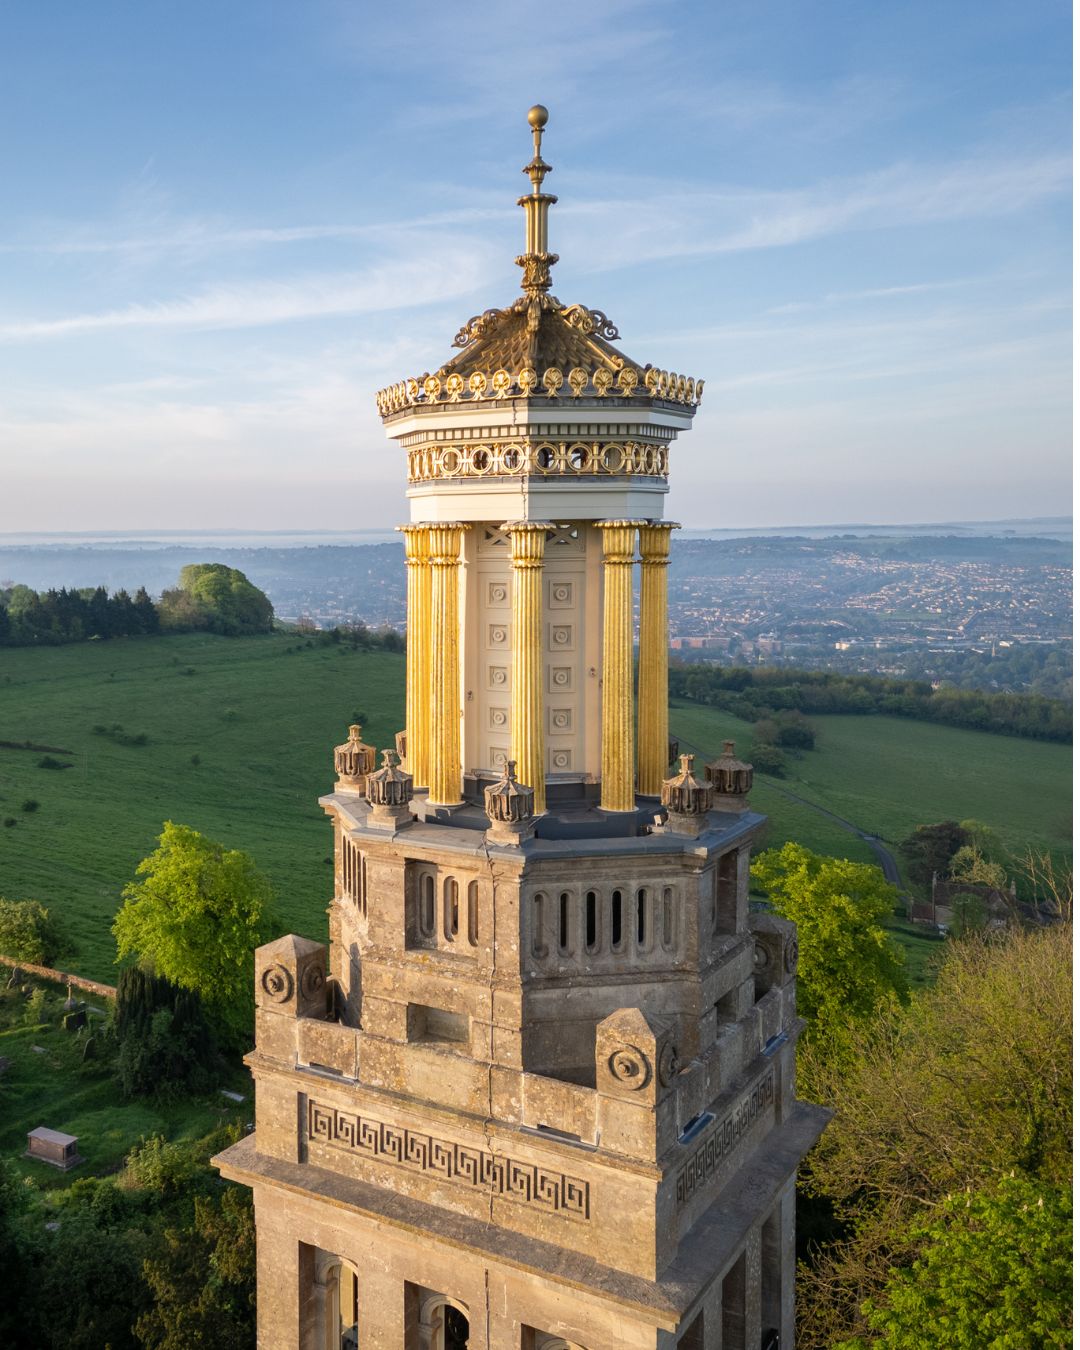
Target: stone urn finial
<point>509,806</point>
<point>389,791</point>
<point>686,798</point>
<point>353,761</point>
<point>731,779</point>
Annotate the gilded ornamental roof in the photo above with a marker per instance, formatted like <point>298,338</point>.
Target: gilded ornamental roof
<point>537,346</point>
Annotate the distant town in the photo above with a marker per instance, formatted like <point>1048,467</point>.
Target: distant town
<point>978,611</point>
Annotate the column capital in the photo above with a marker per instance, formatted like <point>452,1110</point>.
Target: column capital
<point>445,542</point>
<point>527,541</point>
<point>417,543</point>
<point>654,542</point>
<point>620,539</point>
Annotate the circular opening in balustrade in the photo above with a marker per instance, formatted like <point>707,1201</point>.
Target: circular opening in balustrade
<point>614,459</point>
<point>481,461</point>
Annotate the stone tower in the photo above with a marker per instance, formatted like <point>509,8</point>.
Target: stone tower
<point>539,1092</point>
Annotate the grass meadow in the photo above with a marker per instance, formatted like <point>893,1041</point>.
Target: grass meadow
<point>239,733</point>
<point>239,739</point>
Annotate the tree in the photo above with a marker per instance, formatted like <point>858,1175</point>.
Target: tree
<point>28,932</point>
<point>993,1270</point>
<point>228,602</point>
<point>969,1082</point>
<point>165,1045</point>
<point>848,964</point>
<point>86,1291</point>
<point>196,916</point>
<point>930,848</point>
<point>971,865</point>
<point>203,1283</point>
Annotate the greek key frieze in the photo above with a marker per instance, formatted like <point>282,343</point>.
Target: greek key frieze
<point>722,1139</point>
<point>510,1179</point>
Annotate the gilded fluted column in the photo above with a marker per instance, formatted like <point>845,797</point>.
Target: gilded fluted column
<point>527,539</point>
<point>418,652</point>
<point>444,776</point>
<point>652,720</point>
<point>617,701</point>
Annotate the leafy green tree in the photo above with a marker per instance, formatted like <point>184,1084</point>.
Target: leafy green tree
<point>195,917</point>
<point>848,964</point>
<point>28,932</point>
<point>969,1082</point>
<point>203,1282</point>
<point>993,1273</point>
<point>931,848</point>
<point>227,600</point>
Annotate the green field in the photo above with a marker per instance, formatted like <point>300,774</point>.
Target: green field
<point>262,715</point>
<point>889,774</point>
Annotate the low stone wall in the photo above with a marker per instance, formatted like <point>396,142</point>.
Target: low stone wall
<point>60,977</point>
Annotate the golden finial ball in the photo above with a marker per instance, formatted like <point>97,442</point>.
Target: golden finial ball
<point>538,116</point>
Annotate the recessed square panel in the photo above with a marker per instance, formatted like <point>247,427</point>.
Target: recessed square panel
<point>498,635</point>
<point>560,721</point>
<point>560,679</point>
<point>498,719</point>
<point>498,593</point>
<point>559,760</point>
<point>561,637</point>
<point>498,677</point>
<point>497,756</point>
<point>560,593</point>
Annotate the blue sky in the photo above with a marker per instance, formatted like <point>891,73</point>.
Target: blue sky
<point>225,225</point>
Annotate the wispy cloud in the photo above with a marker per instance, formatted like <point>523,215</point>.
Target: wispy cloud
<point>731,221</point>
<point>257,304</point>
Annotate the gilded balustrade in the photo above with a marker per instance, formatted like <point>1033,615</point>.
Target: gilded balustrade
<point>510,459</point>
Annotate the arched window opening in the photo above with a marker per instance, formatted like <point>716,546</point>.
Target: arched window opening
<point>564,924</point>
<point>643,919</point>
<point>342,1307</point>
<point>591,943</point>
<point>427,905</point>
<point>450,909</point>
<point>616,920</point>
<point>363,884</point>
<point>444,1325</point>
<point>667,934</point>
<point>474,913</point>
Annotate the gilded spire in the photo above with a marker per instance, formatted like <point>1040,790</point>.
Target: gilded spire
<point>536,261</point>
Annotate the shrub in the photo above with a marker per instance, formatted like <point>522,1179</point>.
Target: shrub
<point>51,762</point>
<point>767,759</point>
<point>28,932</point>
<point>36,1013</point>
<point>30,805</point>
